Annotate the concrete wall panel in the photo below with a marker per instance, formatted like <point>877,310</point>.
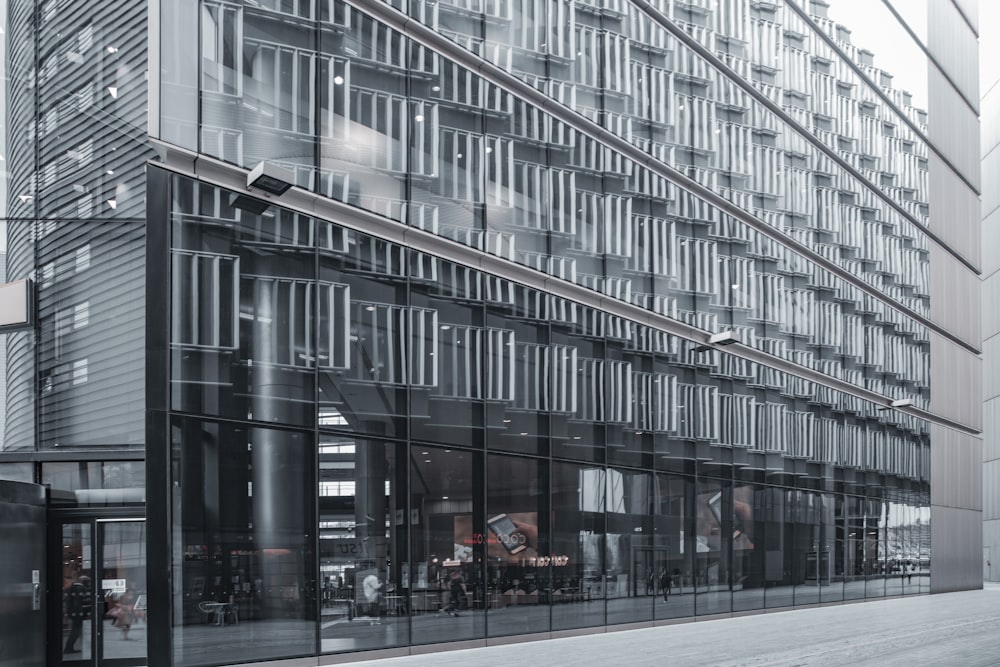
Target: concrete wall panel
<point>954,210</point>
<point>953,127</point>
<point>953,45</point>
<point>956,383</point>
<point>956,549</point>
<point>956,469</point>
<point>955,293</point>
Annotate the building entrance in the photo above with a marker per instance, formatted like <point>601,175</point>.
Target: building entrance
<point>102,605</point>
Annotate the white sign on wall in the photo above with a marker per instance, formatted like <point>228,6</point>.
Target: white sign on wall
<point>15,305</point>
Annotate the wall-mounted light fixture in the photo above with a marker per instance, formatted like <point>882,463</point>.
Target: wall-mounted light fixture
<point>249,204</point>
<point>724,338</point>
<point>720,339</point>
<point>271,178</point>
<point>899,403</point>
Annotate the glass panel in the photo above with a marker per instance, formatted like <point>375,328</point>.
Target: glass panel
<point>803,525</point>
<point>749,544</point>
<point>364,576</point>
<point>178,95</point>
<point>715,525</point>
<point>123,589</point>
<point>901,555</point>
<point>244,298</point>
<point>854,557</point>
<point>578,502</point>
<point>581,434</point>
<point>924,522</point>
<point>91,368</point>
<point>244,565</point>
<point>523,574</point>
<point>90,85</point>
<point>533,381</point>
<point>831,571</point>
<point>78,591</point>
<point>876,558</point>
<point>18,472</point>
<point>449,346</point>
<point>370,333</point>
<point>674,546</point>
<point>106,483</point>
<point>634,569</point>
<point>447,546</point>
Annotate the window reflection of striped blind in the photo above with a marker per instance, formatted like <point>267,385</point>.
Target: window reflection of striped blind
<point>205,298</point>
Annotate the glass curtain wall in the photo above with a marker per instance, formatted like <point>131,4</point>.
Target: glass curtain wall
<point>379,448</point>
<point>71,220</point>
<point>403,132</point>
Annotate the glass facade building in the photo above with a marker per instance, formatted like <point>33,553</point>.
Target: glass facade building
<point>580,314</point>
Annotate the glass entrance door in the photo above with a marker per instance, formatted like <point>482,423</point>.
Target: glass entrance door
<point>103,602</point>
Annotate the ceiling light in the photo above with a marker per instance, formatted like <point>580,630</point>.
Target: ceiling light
<point>113,91</point>
<point>338,80</point>
<point>113,203</point>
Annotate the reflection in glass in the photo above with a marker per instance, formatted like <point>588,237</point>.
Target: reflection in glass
<point>524,575</point>
<point>716,531</point>
<point>635,570</point>
<point>447,546</point>
<point>244,557</point>
<point>578,503</point>
<point>77,591</point>
<point>108,483</point>
<point>674,547</point>
<point>123,589</point>
<point>418,363</point>
<point>364,578</point>
<point>406,134</point>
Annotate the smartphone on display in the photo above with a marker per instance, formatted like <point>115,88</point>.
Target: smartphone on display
<point>507,534</point>
<point>715,506</point>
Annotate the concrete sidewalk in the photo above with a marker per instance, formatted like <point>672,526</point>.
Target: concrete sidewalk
<point>960,629</point>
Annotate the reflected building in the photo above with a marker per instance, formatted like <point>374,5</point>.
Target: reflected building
<point>579,314</point>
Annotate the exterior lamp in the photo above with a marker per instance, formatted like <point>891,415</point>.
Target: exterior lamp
<point>720,339</point>
<point>270,178</point>
<point>898,403</point>
<point>724,338</point>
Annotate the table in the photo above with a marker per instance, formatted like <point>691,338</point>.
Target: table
<point>218,611</point>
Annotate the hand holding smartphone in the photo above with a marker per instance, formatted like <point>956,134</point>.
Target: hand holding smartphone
<point>512,539</point>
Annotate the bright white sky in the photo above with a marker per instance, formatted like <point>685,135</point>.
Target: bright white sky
<point>873,27</point>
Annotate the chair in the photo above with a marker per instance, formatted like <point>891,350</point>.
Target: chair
<point>209,609</point>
